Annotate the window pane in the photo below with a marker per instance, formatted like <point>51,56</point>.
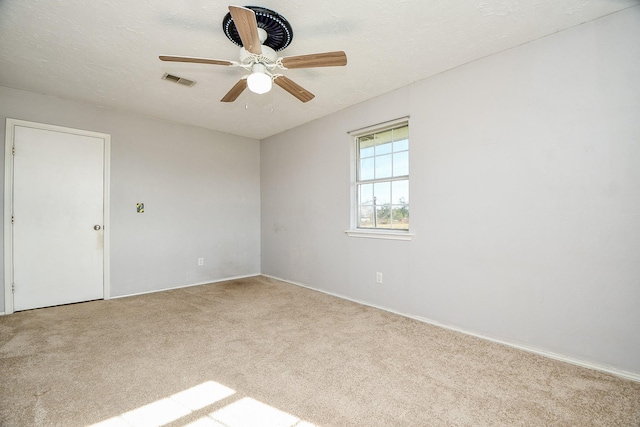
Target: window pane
<point>400,215</point>
<point>382,193</point>
<point>383,142</point>
<point>365,217</point>
<point>366,194</point>
<point>366,169</point>
<point>383,216</point>
<point>400,192</point>
<point>366,151</point>
<point>400,164</point>
<point>366,146</point>
<point>402,145</point>
<point>401,133</point>
<point>383,166</point>
<point>366,141</point>
<point>383,149</point>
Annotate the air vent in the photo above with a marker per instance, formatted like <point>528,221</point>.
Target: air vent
<point>180,80</point>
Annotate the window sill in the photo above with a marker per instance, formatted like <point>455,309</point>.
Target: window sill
<point>380,234</point>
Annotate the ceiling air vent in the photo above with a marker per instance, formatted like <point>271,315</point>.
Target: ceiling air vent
<point>180,80</point>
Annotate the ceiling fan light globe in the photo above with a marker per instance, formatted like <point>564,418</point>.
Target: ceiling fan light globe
<point>259,83</point>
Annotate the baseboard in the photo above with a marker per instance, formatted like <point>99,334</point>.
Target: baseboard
<point>562,358</point>
<point>585,364</point>
<point>1,313</point>
<point>208,282</point>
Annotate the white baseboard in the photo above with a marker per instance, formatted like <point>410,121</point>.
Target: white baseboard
<point>2,313</point>
<point>208,282</point>
<point>585,364</point>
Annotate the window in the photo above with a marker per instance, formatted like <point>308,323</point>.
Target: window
<point>382,177</point>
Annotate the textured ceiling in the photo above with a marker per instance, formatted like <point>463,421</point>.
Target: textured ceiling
<point>106,52</point>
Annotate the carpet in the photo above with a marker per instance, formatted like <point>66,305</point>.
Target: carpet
<point>260,352</point>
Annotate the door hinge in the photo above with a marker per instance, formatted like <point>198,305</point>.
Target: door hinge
<point>13,150</point>
<point>13,287</point>
<point>12,219</point>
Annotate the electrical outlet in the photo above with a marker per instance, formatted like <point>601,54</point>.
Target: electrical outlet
<point>378,277</point>
<point>200,261</point>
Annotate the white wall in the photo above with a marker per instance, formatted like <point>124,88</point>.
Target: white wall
<point>525,198</point>
<point>200,188</point>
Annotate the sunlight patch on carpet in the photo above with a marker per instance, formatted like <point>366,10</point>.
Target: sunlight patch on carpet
<point>244,412</point>
<point>172,408</point>
<point>248,412</point>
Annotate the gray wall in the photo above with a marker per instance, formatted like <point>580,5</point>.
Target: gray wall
<point>201,191</point>
<point>525,198</point>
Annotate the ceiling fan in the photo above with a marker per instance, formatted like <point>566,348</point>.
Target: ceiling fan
<point>260,32</point>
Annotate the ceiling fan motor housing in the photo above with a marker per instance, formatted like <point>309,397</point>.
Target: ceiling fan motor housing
<point>268,56</point>
<point>278,29</point>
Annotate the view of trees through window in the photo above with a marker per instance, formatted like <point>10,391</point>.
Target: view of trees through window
<point>383,179</point>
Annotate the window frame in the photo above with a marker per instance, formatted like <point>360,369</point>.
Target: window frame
<point>375,233</point>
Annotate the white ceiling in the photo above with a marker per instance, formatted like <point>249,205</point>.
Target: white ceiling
<point>106,52</point>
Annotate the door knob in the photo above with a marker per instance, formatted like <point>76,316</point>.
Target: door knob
<point>96,227</point>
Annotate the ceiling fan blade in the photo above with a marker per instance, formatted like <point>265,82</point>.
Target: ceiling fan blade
<point>247,26</point>
<point>235,91</point>
<point>194,59</point>
<point>326,59</point>
<point>294,88</point>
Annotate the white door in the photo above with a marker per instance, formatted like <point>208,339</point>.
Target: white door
<point>58,217</point>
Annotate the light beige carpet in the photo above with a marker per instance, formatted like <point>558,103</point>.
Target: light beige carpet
<point>260,352</point>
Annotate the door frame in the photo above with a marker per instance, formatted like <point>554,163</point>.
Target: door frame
<point>8,202</point>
